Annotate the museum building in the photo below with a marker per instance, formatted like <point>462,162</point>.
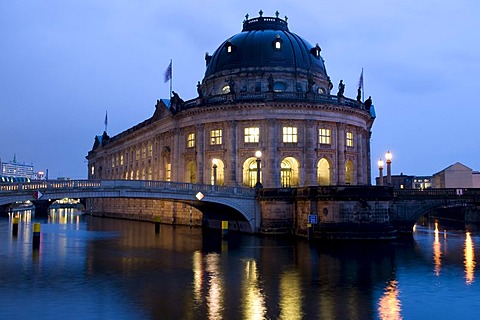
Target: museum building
<point>265,89</point>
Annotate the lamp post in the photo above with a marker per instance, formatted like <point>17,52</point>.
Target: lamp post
<point>214,162</point>
<point>380,172</point>
<point>258,155</point>
<point>388,157</point>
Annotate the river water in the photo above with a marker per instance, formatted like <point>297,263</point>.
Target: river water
<point>98,268</point>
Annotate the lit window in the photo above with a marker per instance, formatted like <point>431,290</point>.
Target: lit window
<point>290,135</point>
<point>92,170</point>
<point>226,89</point>
<point>121,159</point>
<point>277,43</point>
<point>349,139</point>
<point>215,137</point>
<point>191,140</point>
<point>113,162</point>
<point>150,149</point>
<point>144,152</point>
<point>168,171</point>
<point>324,136</point>
<point>252,135</point>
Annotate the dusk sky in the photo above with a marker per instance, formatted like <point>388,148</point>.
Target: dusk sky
<point>64,63</point>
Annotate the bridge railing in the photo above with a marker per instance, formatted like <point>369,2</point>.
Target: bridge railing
<point>136,184</point>
<point>436,193</point>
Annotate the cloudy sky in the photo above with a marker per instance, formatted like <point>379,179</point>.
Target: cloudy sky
<point>63,63</point>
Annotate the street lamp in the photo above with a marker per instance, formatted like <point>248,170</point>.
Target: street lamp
<point>214,162</point>
<point>258,155</point>
<point>388,157</point>
<point>380,170</point>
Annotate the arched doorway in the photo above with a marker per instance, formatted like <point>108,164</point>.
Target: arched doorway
<point>349,172</point>
<point>289,175</point>
<point>191,172</point>
<point>217,172</point>
<point>323,172</point>
<point>250,172</point>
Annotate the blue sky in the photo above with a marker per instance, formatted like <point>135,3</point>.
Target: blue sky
<point>64,63</point>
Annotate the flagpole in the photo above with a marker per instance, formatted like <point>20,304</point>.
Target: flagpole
<point>171,78</point>
<point>363,87</point>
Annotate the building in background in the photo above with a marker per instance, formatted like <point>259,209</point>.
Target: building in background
<point>455,176</point>
<point>16,169</point>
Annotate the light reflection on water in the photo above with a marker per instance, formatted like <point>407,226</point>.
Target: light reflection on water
<point>105,268</point>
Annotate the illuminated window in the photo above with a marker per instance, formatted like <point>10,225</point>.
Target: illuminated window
<point>150,149</point>
<point>113,162</point>
<point>144,152</point>
<point>121,159</point>
<point>290,135</point>
<point>216,137</point>
<point>349,139</point>
<point>252,135</point>
<point>168,171</point>
<point>278,45</point>
<point>143,174</point>
<point>191,140</point>
<point>226,89</point>
<point>92,170</point>
<point>324,136</point>
<point>126,175</point>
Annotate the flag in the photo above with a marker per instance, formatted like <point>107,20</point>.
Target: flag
<point>168,72</point>
<point>360,81</point>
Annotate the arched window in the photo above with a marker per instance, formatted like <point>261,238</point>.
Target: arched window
<point>191,172</point>
<point>289,174</point>
<point>349,172</point>
<point>217,173</point>
<point>250,172</point>
<point>323,172</point>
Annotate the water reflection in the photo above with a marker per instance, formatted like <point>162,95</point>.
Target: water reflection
<point>291,295</point>
<point>389,306</point>
<point>469,261</point>
<point>214,296</point>
<point>437,251</point>
<point>254,300</point>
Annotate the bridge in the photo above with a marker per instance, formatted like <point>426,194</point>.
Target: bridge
<point>235,202</point>
<point>356,205</point>
<point>411,204</point>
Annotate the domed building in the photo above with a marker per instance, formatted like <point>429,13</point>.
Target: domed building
<point>265,89</point>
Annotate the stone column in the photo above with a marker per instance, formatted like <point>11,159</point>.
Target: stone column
<point>200,150</point>
<point>231,165</point>
<point>269,162</point>
<point>368,160</point>
<point>360,157</point>
<point>310,144</point>
<point>176,159</point>
<point>340,153</point>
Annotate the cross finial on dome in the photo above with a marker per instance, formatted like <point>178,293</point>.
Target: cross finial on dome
<point>260,12</point>
<point>286,18</point>
<point>246,16</point>
<point>277,13</point>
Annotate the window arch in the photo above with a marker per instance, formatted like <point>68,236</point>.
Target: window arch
<point>217,175</point>
<point>289,173</point>
<point>191,172</point>
<point>250,172</point>
<point>324,172</point>
<point>349,172</point>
